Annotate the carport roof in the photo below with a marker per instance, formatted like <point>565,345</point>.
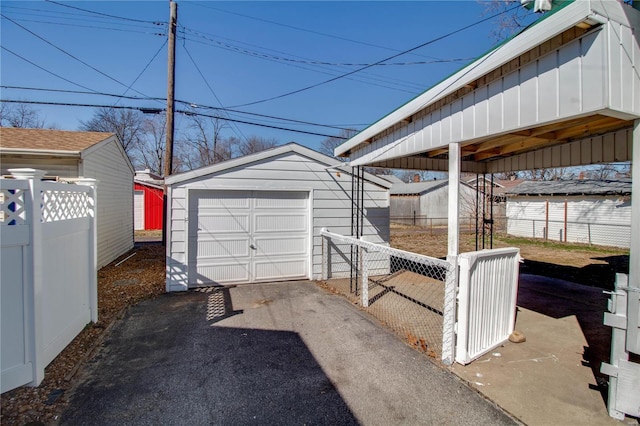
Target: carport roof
<point>417,135</point>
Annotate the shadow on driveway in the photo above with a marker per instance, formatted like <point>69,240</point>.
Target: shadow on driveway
<point>167,362</point>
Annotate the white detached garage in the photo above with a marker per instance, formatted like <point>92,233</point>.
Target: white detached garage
<point>258,218</point>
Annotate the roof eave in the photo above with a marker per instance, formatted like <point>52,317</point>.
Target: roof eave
<point>574,13</point>
<point>41,152</point>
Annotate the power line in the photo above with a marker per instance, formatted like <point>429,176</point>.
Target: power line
<point>193,105</point>
<point>364,43</point>
<point>325,71</point>
<point>143,69</point>
<point>47,71</point>
<point>160,110</point>
<point>317,62</point>
<point>67,53</point>
<point>239,132</point>
<point>383,60</point>
<point>374,76</point>
<point>93,27</point>
<point>124,18</point>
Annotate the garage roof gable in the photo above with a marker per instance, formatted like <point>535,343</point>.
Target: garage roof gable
<point>330,162</point>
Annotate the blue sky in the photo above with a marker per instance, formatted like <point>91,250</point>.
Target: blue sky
<point>246,51</point>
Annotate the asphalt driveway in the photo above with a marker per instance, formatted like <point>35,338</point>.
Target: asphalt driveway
<point>282,353</point>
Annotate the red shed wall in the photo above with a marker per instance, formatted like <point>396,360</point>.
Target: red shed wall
<point>152,206</point>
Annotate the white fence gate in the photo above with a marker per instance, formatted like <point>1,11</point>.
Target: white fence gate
<point>414,294</point>
<point>487,294</point>
<point>48,275</point>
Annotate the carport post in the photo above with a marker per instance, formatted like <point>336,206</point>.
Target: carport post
<point>633,316</point>
<point>453,248</point>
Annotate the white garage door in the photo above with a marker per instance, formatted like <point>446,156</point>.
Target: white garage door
<point>248,236</point>
<point>138,210</point>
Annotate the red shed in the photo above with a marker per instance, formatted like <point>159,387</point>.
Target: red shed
<point>147,201</point>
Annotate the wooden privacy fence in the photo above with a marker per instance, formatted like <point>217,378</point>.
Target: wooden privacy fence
<point>48,271</point>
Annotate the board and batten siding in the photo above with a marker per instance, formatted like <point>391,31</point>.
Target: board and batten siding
<point>107,163</point>
<point>329,194</point>
<point>602,220</point>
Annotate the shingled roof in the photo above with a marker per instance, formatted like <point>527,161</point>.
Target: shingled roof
<point>573,187</point>
<point>49,140</point>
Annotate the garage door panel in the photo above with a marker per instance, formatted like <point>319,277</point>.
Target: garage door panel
<point>281,246</point>
<point>274,269</point>
<point>281,200</point>
<point>221,248</point>
<point>222,273</point>
<point>280,223</point>
<point>225,200</point>
<point>223,223</point>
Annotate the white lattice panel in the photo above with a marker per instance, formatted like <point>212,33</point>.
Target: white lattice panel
<point>64,205</point>
<point>12,207</point>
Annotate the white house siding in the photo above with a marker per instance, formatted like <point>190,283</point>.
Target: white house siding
<point>56,166</point>
<point>593,220</point>
<point>329,192</point>
<point>107,163</point>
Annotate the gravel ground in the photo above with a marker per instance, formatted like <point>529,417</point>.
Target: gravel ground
<point>138,278</point>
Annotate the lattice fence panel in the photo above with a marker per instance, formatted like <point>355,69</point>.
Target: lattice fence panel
<point>12,207</point>
<point>63,205</point>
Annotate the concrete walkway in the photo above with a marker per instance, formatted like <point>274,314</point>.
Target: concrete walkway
<point>549,379</point>
<point>285,353</point>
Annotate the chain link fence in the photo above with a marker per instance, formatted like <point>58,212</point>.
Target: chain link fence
<point>439,225</point>
<point>405,291</point>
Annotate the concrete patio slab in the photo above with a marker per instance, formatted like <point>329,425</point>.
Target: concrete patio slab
<point>549,379</point>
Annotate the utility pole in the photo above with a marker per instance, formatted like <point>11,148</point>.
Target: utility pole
<point>171,86</point>
<point>173,22</point>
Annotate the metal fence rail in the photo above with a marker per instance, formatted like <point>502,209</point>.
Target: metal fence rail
<point>405,291</point>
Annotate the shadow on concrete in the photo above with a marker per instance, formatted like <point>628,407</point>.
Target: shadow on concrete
<point>182,368</point>
<point>558,299</point>
<point>594,275</point>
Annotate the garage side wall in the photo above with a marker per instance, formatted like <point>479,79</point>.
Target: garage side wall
<point>115,200</point>
<point>329,193</point>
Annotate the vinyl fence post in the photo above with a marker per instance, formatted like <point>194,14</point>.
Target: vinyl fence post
<point>92,246</point>
<point>365,277</point>
<point>449,311</point>
<point>35,279</point>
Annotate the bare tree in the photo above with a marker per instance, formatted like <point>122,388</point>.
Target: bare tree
<point>151,148</point>
<point>256,144</point>
<point>20,115</point>
<point>128,125</point>
<point>603,171</point>
<point>203,143</point>
<point>556,173</point>
<point>511,19</point>
<point>328,145</point>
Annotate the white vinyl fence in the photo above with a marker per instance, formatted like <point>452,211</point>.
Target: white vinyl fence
<point>419,298</point>
<point>48,271</point>
<point>487,296</point>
